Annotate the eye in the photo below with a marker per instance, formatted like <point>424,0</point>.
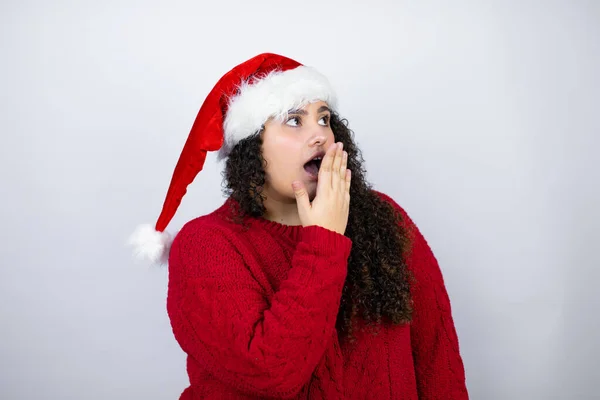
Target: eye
<point>325,120</point>
<point>293,121</point>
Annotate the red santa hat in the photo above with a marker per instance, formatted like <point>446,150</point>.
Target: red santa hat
<point>263,87</point>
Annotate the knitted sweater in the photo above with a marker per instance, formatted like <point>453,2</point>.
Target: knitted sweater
<point>255,311</point>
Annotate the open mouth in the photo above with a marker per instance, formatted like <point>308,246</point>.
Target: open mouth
<point>313,165</point>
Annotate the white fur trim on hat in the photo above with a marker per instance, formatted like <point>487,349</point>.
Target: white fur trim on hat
<point>272,96</point>
<point>150,245</point>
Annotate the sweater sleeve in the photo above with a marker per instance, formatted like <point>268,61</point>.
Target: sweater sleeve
<point>438,364</point>
<point>266,347</point>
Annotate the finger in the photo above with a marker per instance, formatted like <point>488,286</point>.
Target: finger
<point>326,168</point>
<point>348,179</point>
<point>337,161</point>
<point>346,193</point>
<point>342,171</point>
<point>302,200</point>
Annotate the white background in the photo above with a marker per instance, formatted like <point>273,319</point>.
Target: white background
<point>479,117</point>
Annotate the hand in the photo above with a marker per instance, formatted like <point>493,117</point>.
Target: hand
<point>330,206</point>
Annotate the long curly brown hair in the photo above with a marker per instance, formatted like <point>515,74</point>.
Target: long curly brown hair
<point>377,286</point>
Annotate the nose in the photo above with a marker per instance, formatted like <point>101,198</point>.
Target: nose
<point>318,139</point>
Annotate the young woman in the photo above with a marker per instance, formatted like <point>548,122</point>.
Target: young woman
<point>306,283</point>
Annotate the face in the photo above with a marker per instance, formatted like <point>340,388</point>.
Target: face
<point>289,146</point>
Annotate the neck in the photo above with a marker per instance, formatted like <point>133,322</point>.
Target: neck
<point>283,211</point>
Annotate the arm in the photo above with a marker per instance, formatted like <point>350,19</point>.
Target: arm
<point>438,365</point>
<point>221,318</point>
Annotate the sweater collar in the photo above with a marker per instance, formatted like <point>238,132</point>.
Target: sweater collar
<point>276,229</point>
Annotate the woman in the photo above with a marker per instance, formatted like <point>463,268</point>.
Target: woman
<point>305,283</point>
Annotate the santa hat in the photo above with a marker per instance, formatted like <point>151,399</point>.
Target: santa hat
<point>265,86</point>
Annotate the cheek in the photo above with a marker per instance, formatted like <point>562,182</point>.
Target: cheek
<point>282,159</point>
<point>330,136</point>
<point>280,165</point>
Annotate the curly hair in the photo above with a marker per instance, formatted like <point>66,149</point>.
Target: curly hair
<point>377,286</point>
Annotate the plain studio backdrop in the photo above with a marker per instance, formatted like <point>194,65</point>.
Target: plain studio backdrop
<point>480,118</point>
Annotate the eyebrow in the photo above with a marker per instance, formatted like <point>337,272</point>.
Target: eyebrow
<point>304,112</point>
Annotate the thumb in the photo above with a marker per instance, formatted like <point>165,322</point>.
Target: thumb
<point>302,200</point>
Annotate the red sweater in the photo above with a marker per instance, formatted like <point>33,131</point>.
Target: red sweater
<point>255,311</point>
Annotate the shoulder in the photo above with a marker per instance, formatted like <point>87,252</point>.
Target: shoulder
<point>419,254</point>
<point>207,248</point>
<point>211,232</point>
<point>387,199</point>
<point>405,221</point>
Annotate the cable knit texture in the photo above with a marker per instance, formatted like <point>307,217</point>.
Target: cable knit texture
<point>255,309</point>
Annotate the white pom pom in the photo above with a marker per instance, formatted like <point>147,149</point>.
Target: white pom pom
<point>150,245</point>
